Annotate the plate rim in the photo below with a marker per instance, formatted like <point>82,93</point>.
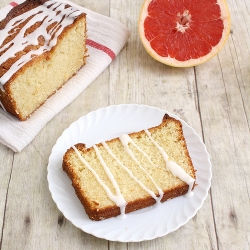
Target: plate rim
<point>209,178</point>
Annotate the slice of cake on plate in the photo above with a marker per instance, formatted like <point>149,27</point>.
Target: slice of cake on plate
<point>42,45</point>
<point>131,172</point>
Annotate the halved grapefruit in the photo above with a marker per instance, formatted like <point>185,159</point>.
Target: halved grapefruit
<point>184,33</point>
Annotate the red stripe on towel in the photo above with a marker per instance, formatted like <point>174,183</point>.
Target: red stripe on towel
<point>103,48</point>
<point>13,4</point>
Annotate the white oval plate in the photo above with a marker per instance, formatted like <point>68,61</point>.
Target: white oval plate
<point>145,224</point>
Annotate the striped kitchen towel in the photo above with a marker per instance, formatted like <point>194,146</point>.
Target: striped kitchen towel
<point>106,37</point>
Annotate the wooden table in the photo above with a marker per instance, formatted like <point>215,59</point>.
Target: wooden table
<point>213,98</point>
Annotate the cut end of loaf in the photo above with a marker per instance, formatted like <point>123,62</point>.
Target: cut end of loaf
<point>30,86</point>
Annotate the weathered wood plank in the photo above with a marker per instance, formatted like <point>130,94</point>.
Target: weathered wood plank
<point>135,77</point>
<point>32,220</point>
<point>6,159</point>
<point>240,48</point>
<point>223,100</point>
<point>213,98</point>
<point>31,212</point>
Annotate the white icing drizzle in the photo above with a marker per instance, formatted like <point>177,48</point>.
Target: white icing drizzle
<point>132,142</point>
<point>175,169</point>
<point>129,171</point>
<point>125,140</point>
<point>118,198</point>
<point>48,13</point>
<point>122,203</point>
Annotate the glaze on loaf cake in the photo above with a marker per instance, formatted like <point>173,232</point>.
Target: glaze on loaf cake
<point>131,172</point>
<point>42,45</point>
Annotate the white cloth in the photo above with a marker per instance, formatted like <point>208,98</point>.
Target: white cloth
<point>106,37</point>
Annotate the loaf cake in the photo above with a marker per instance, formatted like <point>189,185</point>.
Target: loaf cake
<point>131,172</point>
<point>42,45</point>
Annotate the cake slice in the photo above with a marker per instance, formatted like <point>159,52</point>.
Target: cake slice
<point>42,45</point>
<point>131,172</point>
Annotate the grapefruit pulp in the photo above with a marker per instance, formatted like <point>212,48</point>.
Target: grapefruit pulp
<point>184,33</point>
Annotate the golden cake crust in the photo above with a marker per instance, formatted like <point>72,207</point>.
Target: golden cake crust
<point>97,213</point>
<point>18,10</point>
<point>6,96</point>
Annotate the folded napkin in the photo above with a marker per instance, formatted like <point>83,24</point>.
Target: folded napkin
<point>106,37</point>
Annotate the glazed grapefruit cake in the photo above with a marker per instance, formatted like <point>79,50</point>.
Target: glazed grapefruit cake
<point>42,45</point>
<point>131,172</point>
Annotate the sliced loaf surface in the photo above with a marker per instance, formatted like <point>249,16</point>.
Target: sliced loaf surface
<point>137,171</point>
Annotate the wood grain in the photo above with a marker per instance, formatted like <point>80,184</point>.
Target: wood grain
<point>213,98</point>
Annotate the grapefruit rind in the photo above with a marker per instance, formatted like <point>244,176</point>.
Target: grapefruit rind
<point>225,16</point>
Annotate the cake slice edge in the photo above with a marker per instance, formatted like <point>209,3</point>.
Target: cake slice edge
<point>95,213</point>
